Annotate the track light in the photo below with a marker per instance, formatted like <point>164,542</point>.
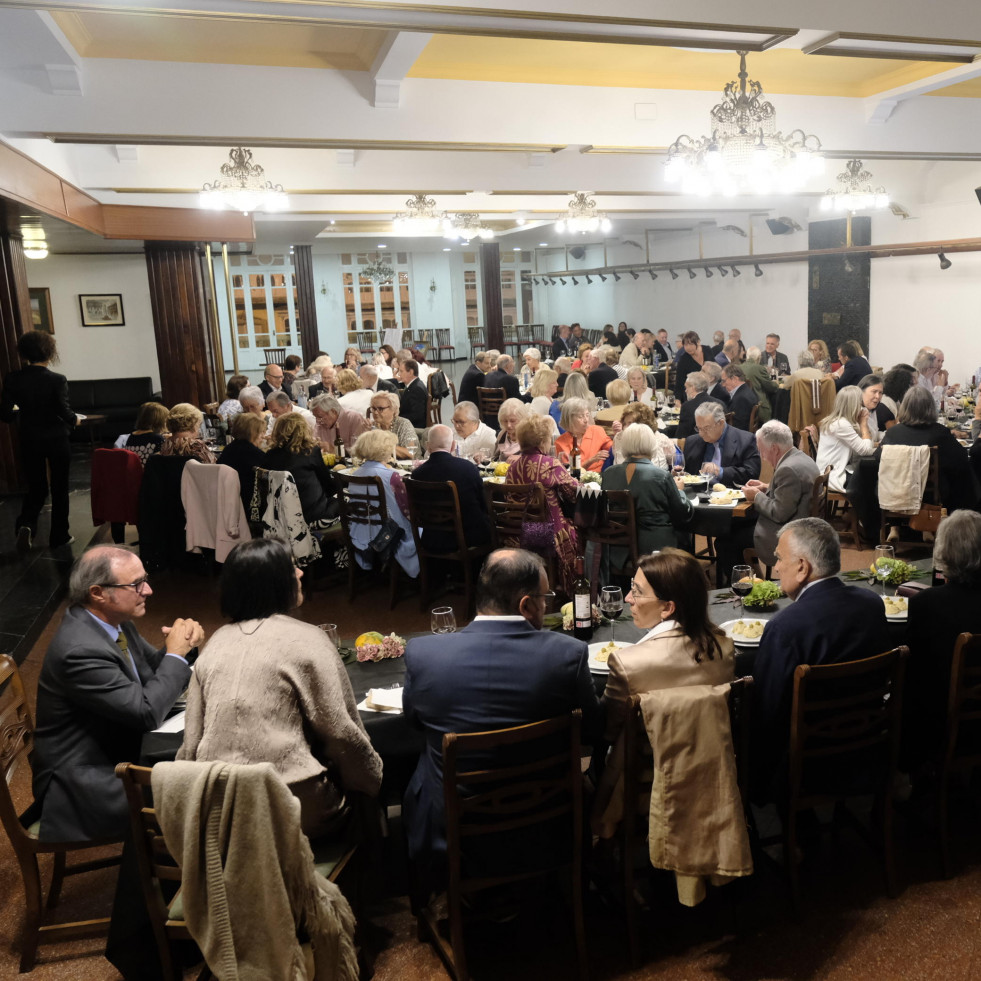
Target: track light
<point>735,272</point>
<point>945,263</point>
<point>723,270</point>
<point>562,281</point>
<point>616,276</point>
<point>551,280</point>
<point>535,281</point>
<point>636,275</point>
<point>691,272</point>
<point>575,282</point>
<point>602,277</point>
<point>674,275</point>
<point>652,274</point>
<point>708,273</point>
<point>589,281</point>
<point>759,272</point>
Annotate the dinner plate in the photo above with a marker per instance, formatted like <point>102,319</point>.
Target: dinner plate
<point>897,616</point>
<point>740,641</point>
<point>601,667</point>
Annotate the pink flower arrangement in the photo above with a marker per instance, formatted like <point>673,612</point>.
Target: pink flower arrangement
<point>391,646</point>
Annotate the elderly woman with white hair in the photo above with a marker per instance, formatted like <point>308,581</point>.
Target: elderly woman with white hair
<point>543,388</point>
<point>384,411</point>
<point>590,444</point>
<point>532,362</point>
<point>511,412</point>
<point>376,449</point>
<point>576,387</point>
<point>640,391</point>
<point>184,423</point>
<point>661,507</point>
<point>618,395</point>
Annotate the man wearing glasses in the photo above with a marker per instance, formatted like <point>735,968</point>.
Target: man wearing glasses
<point>274,381</point>
<point>102,686</point>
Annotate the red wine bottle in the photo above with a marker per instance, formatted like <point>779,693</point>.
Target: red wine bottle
<point>582,605</point>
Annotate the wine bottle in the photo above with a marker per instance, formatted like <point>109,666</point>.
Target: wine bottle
<point>339,447</point>
<point>575,461</point>
<point>582,605</point>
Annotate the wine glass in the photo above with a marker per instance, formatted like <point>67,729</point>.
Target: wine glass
<point>742,581</point>
<point>611,606</point>
<point>884,557</point>
<point>442,620</point>
<point>330,629</point>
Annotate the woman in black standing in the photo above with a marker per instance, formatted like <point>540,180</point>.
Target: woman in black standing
<point>44,422</point>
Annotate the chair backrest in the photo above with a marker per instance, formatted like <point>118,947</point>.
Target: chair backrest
<point>619,529</point>
<point>964,703</point>
<point>754,422</point>
<point>275,355</point>
<point>511,505</point>
<point>810,402</point>
<point>435,506</point>
<point>16,743</point>
<point>362,502</point>
<point>819,495</point>
<point>845,720</point>
<point>806,444</point>
<point>489,401</point>
<point>730,418</point>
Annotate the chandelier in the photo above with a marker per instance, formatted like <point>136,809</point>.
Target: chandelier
<point>854,191</point>
<point>745,151</point>
<point>421,215</point>
<point>242,187</point>
<point>378,271</point>
<point>467,225</point>
<point>583,217</point>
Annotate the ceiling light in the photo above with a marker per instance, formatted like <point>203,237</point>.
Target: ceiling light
<point>378,270</point>
<point>652,274</point>
<point>582,216</point>
<point>723,270</point>
<point>636,275</point>
<point>602,277</point>
<point>735,272</point>
<point>242,187</point>
<point>745,151</point>
<point>691,272</point>
<point>562,281</point>
<point>575,282</point>
<point>447,249</point>
<point>421,215</point>
<point>589,281</point>
<point>759,272</point>
<point>708,273</point>
<point>616,276</point>
<point>945,263</point>
<point>854,191</point>
<point>674,275</point>
<point>516,248</point>
<point>39,250</point>
<point>382,245</point>
<point>551,281</point>
<point>543,245</point>
<point>466,225</point>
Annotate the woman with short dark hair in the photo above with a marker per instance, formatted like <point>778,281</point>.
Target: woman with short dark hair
<point>695,354</point>
<point>245,452</point>
<point>231,407</point>
<point>268,688</point>
<point>148,434</point>
<point>45,419</point>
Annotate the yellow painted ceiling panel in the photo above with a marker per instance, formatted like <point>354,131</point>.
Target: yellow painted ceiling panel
<point>962,90</point>
<point>639,66</point>
<point>154,37</point>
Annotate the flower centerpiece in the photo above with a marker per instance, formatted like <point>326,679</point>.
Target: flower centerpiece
<point>372,646</point>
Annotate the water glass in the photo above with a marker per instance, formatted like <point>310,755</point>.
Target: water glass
<point>442,620</point>
<point>884,554</point>
<point>330,629</point>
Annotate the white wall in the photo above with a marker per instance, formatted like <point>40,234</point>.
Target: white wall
<point>99,352</point>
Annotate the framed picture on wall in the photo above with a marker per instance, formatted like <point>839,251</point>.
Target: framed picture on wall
<point>41,309</point>
<point>101,309</point>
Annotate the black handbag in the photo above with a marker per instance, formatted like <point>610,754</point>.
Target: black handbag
<point>388,538</point>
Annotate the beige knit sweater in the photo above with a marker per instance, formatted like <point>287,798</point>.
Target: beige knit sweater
<point>275,691</point>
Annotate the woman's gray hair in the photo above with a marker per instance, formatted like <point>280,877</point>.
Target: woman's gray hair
<point>570,409</point>
<point>326,403</point>
<point>637,441</point>
<point>805,359</point>
<point>376,444</point>
<point>917,407</point>
<point>509,407</point>
<point>94,568</point>
<point>957,551</point>
<point>816,541</point>
<point>533,353</point>
<point>393,399</point>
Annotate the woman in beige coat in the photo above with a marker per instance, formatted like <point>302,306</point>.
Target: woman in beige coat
<point>669,599</point>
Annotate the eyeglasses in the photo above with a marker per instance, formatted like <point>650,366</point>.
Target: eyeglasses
<point>545,596</point>
<point>381,408</point>
<point>137,584</point>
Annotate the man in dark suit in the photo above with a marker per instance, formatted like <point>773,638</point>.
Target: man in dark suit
<point>473,378</point>
<point>728,354</point>
<point>696,390</point>
<point>770,357</point>
<point>716,389</point>
<point>274,381</point>
<point>443,466</point>
<point>413,396</point>
<point>828,622</point>
<point>102,686</point>
<point>742,398</point>
<point>728,455</point>
<point>600,374</point>
<point>326,386</point>
<point>662,347</point>
<point>501,670</point>
<point>562,345</point>
<point>370,379</point>
<point>718,340</point>
<point>502,377</point>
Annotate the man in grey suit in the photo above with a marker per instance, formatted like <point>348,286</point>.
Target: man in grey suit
<point>102,686</point>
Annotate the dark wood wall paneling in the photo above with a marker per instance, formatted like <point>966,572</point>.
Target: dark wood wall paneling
<point>178,299</point>
<point>490,278</point>
<point>306,301</point>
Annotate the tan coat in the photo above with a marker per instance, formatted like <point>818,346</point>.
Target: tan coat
<point>664,661</point>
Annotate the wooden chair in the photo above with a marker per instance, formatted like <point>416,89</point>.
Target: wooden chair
<point>366,341</point>
<point>363,502</point>
<point>819,495</point>
<point>161,876</point>
<point>510,506</point>
<point>434,407</point>
<point>16,744</point>
<point>257,509</point>
<point>435,507</point>
<point>618,531</point>
<point>836,504</point>
<point>443,344</point>
<point>962,752</point>
<point>275,355</point>
<point>478,340</point>
<point>489,401</point>
<point>638,776</point>
<point>512,345</point>
<point>536,799</point>
<point>754,422</point>
<point>844,742</point>
<point>730,418</point>
<point>931,495</point>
